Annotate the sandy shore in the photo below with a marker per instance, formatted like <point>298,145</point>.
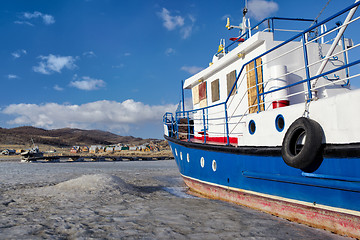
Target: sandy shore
<point>124,200</point>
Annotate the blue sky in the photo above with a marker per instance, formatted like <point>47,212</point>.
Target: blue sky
<point>114,65</point>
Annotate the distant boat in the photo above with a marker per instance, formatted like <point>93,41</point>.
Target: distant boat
<point>8,152</point>
<point>275,124</point>
<point>31,154</point>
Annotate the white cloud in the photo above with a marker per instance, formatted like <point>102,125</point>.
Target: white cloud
<point>89,54</point>
<point>58,88</point>
<point>106,115</point>
<point>173,22</point>
<point>187,30</point>
<point>260,9</point>
<point>191,69</point>
<point>170,51</point>
<point>47,19</point>
<point>12,76</point>
<point>88,84</point>
<point>19,53</point>
<point>52,63</point>
<point>170,22</point>
<point>24,23</point>
<point>127,54</point>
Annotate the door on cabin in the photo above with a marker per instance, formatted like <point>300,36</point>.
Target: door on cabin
<point>251,86</point>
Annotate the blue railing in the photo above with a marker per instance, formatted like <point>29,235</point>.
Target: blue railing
<point>271,28</point>
<point>174,122</point>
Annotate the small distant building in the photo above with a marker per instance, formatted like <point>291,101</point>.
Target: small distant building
<point>75,149</point>
<point>85,149</point>
<point>94,148</point>
<point>117,148</point>
<point>109,149</point>
<point>144,148</point>
<point>101,149</point>
<point>133,148</point>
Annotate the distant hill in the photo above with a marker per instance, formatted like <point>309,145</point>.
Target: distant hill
<point>65,137</point>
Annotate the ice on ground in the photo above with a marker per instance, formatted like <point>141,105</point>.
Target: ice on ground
<point>94,183</point>
<point>86,184</point>
<point>178,192</point>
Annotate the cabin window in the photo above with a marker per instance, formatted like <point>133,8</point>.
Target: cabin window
<point>231,78</point>
<point>215,94</point>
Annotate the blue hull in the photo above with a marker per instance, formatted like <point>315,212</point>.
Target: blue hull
<point>335,183</point>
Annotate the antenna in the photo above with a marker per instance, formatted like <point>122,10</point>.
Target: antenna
<point>245,10</point>
<point>229,27</point>
<point>228,24</point>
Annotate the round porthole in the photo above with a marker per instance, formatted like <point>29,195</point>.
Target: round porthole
<point>252,127</point>
<point>180,155</point>
<point>202,162</point>
<point>188,157</point>
<point>214,165</point>
<point>279,123</point>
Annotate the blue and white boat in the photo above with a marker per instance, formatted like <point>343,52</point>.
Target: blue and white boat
<point>275,124</point>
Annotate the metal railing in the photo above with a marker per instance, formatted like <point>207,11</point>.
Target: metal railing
<point>183,124</point>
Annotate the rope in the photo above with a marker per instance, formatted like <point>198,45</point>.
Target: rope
<point>320,13</point>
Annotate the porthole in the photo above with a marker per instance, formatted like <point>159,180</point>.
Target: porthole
<point>180,155</point>
<point>280,123</point>
<point>188,157</point>
<point>202,162</point>
<point>214,165</point>
<point>175,152</point>
<point>252,127</point>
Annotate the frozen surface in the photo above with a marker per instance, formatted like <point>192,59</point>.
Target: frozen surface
<point>127,200</point>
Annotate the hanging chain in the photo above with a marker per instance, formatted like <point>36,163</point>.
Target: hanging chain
<point>317,31</point>
<point>306,111</point>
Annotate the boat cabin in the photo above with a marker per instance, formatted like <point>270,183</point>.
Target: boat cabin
<point>257,77</point>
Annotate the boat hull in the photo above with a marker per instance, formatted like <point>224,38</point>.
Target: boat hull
<point>326,198</point>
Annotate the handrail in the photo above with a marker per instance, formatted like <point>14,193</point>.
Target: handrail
<point>205,117</point>
<point>257,25</point>
<point>293,38</point>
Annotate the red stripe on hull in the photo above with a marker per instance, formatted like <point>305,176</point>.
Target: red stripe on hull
<point>232,140</point>
<point>340,223</point>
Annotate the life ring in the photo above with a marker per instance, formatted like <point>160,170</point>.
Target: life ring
<point>302,145</point>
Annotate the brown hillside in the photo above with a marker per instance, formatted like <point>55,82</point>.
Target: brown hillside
<point>65,137</point>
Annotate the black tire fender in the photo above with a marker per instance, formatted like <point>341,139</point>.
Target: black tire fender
<point>310,155</point>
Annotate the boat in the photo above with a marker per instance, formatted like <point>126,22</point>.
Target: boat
<point>274,123</point>
<point>31,154</point>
